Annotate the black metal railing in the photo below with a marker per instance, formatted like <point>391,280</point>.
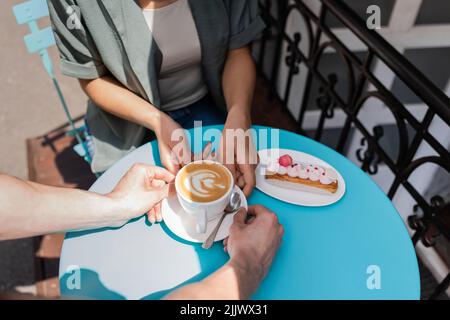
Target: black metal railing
<point>279,46</point>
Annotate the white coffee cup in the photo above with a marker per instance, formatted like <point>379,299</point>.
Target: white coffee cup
<point>203,212</point>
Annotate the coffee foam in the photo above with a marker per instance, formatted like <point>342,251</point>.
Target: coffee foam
<point>204,182</point>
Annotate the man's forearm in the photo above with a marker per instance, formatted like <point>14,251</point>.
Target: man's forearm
<point>231,282</point>
<point>28,209</point>
<point>112,97</point>
<point>239,78</point>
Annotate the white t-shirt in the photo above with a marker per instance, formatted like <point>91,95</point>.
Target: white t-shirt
<point>181,80</point>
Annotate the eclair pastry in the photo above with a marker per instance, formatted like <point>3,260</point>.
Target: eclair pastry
<point>306,174</point>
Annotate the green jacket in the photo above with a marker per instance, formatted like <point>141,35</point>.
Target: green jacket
<point>113,38</point>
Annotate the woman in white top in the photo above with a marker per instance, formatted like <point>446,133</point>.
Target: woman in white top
<point>150,67</point>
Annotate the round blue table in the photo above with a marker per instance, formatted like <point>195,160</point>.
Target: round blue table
<point>357,248</point>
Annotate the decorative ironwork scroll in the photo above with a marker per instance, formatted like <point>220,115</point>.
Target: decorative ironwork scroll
<point>362,85</point>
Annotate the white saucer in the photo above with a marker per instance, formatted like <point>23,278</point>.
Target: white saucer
<point>291,193</point>
<point>182,225</point>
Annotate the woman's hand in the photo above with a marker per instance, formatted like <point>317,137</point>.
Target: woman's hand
<point>238,80</point>
<point>237,150</point>
<point>141,190</point>
<point>173,145</point>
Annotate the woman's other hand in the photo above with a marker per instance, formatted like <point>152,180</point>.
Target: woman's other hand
<point>237,150</point>
<point>173,145</point>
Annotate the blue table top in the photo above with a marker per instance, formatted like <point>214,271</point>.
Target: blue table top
<point>327,252</point>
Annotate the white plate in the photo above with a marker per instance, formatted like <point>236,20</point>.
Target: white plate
<point>182,225</point>
<point>292,193</point>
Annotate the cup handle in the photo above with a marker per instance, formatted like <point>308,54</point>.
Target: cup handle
<point>201,221</point>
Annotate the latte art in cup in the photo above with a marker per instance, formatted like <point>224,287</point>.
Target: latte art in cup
<point>204,181</point>
<point>204,190</point>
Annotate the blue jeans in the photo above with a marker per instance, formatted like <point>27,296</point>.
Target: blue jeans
<point>203,110</point>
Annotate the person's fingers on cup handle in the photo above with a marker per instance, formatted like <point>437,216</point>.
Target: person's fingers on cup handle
<point>160,189</point>
<point>193,158</point>
<point>213,156</point>
<point>171,190</point>
<point>181,158</point>
<point>151,216</point>
<point>207,151</point>
<point>196,157</point>
<point>157,184</point>
<point>150,172</point>
<point>160,173</point>
<point>158,212</point>
<point>168,159</point>
<point>178,164</point>
<point>222,158</point>
<point>161,192</point>
<point>155,212</point>
<point>185,159</point>
<point>240,181</point>
<point>232,169</point>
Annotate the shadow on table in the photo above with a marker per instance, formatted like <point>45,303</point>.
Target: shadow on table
<point>92,288</point>
<point>209,260</point>
<point>89,286</point>
<point>161,294</point>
